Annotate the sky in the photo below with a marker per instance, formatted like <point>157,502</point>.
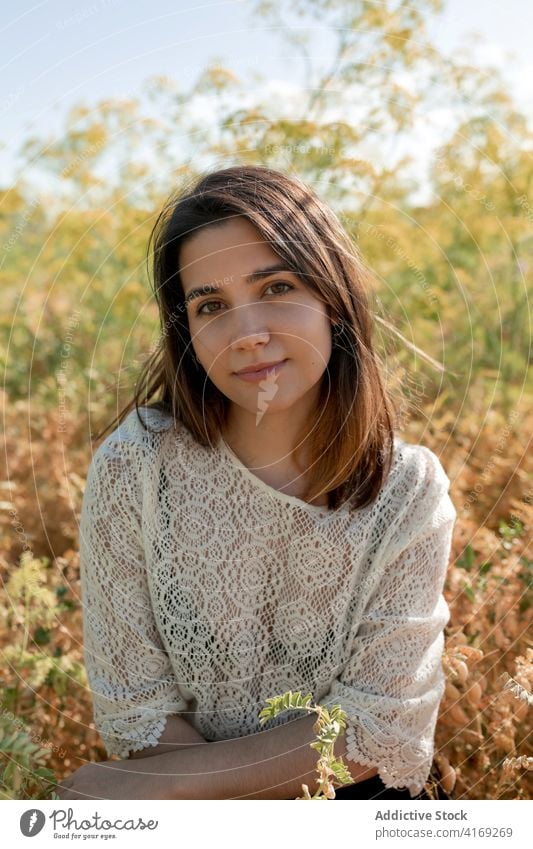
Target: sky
<point>57,53</point>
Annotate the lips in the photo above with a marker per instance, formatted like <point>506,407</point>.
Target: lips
<point>259,367</point>
<point>260,373</point>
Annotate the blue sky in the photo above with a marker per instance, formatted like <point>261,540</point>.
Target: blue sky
<point>57,52</point>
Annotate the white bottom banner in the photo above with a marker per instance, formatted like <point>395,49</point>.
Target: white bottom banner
<point>363,823</point>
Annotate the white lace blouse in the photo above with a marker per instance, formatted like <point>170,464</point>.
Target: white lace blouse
<point>206,591</point>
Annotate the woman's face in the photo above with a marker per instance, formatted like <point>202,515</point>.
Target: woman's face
<point>273,318</point>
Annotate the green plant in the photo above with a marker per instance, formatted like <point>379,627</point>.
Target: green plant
<point>31,655</point>
<point>328,726</point>
<point>23,774</point>
<point>35,671</point>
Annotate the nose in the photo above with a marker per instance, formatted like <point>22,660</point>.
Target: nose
<point>250,330</point>
<point>248,340</point>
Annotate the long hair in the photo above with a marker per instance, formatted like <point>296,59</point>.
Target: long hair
<point>351,442</point>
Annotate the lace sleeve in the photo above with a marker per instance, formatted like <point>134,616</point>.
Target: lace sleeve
<point>129,672</point>
<point>393,682</point>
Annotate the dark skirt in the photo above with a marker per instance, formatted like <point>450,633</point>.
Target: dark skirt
<point>373,788</point>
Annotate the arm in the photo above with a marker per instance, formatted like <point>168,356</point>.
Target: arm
<point>393,682</point>
<point>271,764</point>
<point>133,685</point>
<point>178,735</point>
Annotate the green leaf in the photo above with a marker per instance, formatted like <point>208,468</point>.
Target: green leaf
<point>469,592</point>
<point>341,772</point>
<point>467,560</point>
<point>41,636</point>
<point>44,772</point>
<point>9,741</point>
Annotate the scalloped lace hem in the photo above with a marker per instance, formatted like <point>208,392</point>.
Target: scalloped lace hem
<point>140,739</point>
<point>415,783</point>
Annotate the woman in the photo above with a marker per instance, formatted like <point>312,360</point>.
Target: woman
<point>259,527</point>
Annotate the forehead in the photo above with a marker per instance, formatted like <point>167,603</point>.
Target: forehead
<point>233,247</point>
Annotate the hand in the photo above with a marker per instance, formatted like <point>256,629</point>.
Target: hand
<point>115,780</point>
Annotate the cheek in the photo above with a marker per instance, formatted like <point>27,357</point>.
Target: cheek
<point>313,332</point>
<point>209,344</point>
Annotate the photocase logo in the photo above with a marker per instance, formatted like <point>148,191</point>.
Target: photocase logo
<point>269,389</point>
<point>31,822</point>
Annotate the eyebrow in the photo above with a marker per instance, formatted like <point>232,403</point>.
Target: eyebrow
<point>253,277</point>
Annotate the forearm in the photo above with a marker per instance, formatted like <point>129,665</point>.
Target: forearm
<point>177,735</point>
<point>272,764</point>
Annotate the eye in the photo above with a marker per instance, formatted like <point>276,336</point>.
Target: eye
<point>281,283</point>
<point>200,310</point>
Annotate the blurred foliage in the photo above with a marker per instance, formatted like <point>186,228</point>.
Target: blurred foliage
<point>40,675</point>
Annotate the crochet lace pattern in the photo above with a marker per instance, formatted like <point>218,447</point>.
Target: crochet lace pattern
<point>206,591</point>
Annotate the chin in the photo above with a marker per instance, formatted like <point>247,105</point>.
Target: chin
<point>269,406</point>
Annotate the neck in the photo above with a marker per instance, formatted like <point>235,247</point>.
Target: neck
<point>265,448</point>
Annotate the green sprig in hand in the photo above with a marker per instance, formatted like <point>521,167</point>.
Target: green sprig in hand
<point>329,725</point>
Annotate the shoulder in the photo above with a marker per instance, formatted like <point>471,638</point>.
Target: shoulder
<point>416,494</point>
<point>142,421</point>
<point>141,429</point>
<point>129,449</point>
<point>417,470</point>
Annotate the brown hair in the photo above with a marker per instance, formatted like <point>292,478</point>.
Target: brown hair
<point>351,444</point>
